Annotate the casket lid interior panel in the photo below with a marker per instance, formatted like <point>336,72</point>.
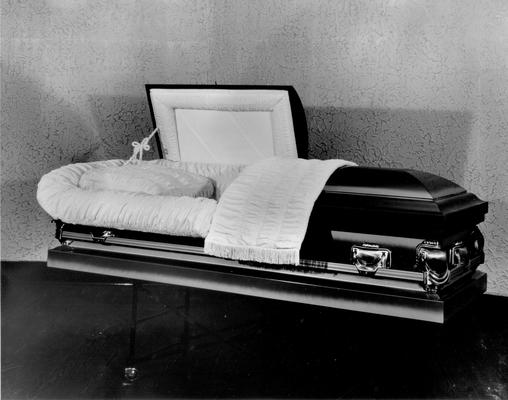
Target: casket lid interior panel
<point>227,124</point>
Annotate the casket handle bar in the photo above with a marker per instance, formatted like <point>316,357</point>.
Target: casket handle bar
<point>368,258</point>
<point>434,262</point>
<point>103,237</point>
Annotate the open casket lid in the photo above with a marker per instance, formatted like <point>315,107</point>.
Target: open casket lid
<point>227,124</point>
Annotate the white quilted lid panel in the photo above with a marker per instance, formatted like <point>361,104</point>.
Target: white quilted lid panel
<point>240,137</point>
<point>222,125</point>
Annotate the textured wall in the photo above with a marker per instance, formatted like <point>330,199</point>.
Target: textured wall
<point>417,84</point>
<point>73,75</point>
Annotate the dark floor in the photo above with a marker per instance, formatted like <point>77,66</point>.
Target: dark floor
<point>66,336</point>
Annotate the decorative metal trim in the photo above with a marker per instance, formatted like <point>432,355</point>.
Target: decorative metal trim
<point>369,258</point>
<point>104,236</point>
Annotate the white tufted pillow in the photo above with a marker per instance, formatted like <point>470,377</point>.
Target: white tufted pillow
<point>148,179</point>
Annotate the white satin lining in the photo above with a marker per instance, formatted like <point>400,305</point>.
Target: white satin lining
<point>214,136</point>
<point>274,137</point>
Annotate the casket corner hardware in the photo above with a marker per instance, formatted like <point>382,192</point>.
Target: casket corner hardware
<point>103,237</point>
<point>369,258</point>
<point>460,254</point>
<point>59,230</point>
<point>434,263</point>
<point>433,281</point>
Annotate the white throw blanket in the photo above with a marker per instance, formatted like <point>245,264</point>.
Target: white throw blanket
<point>263,215</point>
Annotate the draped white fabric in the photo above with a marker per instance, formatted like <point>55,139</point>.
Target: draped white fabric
<point>261,215</point>
<point>264,213</point>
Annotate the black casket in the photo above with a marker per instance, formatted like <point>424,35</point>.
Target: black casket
<point>394,242</point>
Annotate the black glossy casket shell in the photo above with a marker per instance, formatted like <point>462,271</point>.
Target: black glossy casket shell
<point>397,202</point>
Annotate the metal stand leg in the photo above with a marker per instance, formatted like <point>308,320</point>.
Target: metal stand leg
<point>186,321</point>
<point>131,372</point>
<point>185,336</point>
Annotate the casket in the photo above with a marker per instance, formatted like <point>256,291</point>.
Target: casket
<point>395,242</point>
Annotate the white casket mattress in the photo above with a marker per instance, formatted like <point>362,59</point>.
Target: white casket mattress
<point>60,195</point>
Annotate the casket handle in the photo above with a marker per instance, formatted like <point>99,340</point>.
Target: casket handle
<point>103,237</point>
<point>369,258</point>
<point>460,255</point>
<point>434,262</point>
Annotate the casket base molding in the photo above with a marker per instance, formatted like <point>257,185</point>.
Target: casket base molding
<point>355,293</point>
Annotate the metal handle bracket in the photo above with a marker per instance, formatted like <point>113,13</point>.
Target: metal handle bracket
<point>104,236</point>
<point>368,258</point>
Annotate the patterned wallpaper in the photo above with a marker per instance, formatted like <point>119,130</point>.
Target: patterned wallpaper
<point>414,84</point>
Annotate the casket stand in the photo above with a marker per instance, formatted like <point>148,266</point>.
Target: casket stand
<point>393,242</point>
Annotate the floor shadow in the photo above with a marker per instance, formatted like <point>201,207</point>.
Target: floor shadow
<point>69,339</point>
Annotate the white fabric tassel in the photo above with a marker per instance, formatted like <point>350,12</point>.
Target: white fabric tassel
<point>139,147</point>
<point>254,253</point>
